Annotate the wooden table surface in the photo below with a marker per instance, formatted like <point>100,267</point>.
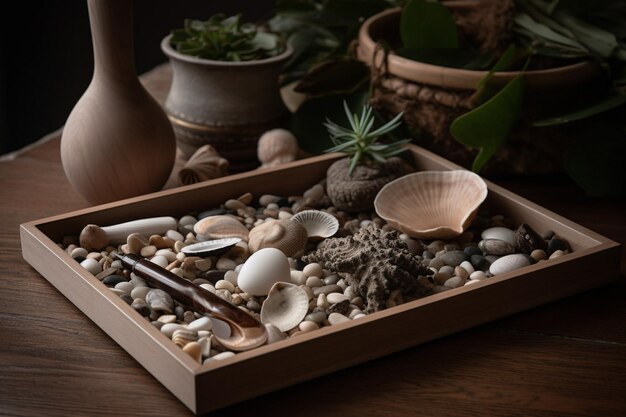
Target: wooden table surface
<point>567,358</point>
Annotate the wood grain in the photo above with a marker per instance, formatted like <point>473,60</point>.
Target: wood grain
<point>566,358</point>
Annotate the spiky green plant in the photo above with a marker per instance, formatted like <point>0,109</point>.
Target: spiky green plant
<point>360,142</point>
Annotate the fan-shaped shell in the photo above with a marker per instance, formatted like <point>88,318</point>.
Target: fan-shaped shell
<point>277,146</point>
<point>205,164</point>
<point>219,227</point>
<point>211,247</point>
<point>318,224</point>
<point>287,236</point>
<point>285,307</point>
<point>432,204</point>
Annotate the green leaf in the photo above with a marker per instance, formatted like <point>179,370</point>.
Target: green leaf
<point>486,127</point>
<point>336,76</point>
<point>599,41</point>
<point>484,90</point>
<point>598,168</point>
<point>610,101</point>
<point>543,31</point>
<point>428,24</point>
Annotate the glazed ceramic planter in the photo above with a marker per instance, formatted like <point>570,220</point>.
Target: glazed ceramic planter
<point>225,104</point>
<point>433,96</point>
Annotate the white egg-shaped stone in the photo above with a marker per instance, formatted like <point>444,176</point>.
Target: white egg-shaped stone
<point>499,233</point>
<point>262,270</point>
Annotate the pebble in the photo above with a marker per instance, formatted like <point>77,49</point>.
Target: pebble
<point>473,250</point>
<point>209,287</point>
<point>212,212</point>
<point>253,305</point>
<point>314,193</point>
<point>508,263</point>
<point>193,349</point>
<point>168,329</point>
<point>341,307</point>
<point>92,266</point>
<point>557,253</point>
<point>297,277</point>
<point>127,298</point>
<point>441,277</point>
<point>226,264</point>
<point>499,233</point>
<point>316,316</point>
<point>496,247</point>
<point>266,199</point>
<point>225,285</point>
<point>159,300</point>
<point>308,326</point>
<point>167,318</point>
<point>312,270</point>
<point>447,270</point>
<point>453,258</point>
<point>148,251</point>
<point>539,255</point>
<point>461,272</point>
<point>82,252</point>
<point>203,323</point>
<point>336,297</point>
<point>332,279</point>
<point>455,282</point>
<point>322,302</point>
<point>113,280</point>
<point>555,244</point>
<point>221,356</point>
<point>125,286</point>
<point>467,266</point>
<point>167,254</point>
<point>327,289</point>
<point>336,318</point>
<point>478,275</point>
<point>140,307</point>
<point>314,282</point>
<point>234,204</point>
<point>159,260</point>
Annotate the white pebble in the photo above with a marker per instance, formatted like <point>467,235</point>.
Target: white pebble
<point>174,235</point>
<point>160,260</point>
<point>312,270</point>
<point>322,302</point>
<point>231,276</point>
<point>167,318</point>
<point>127,287</point>
<point>167,254</point>
<point>314,282</point>
<point>168,329</point>
<point>140,292</point>
<point>467,266</point>
<point>208,287</point>
<point>478,275</point>
<point>92,266</point>
<point>177,271</point>
<point>297,277</point>
<point>336,318</point>
<point>508,263</point>
<point>358,316</point>
<point>335,297</point>
<point>308,326</point>
<point>79,252</point>
<point>203,323</point>
<point>222,284</point>
<point>284,215</point>
<point>225,264</point>
<point>499,233</point>
<point>221,356</point>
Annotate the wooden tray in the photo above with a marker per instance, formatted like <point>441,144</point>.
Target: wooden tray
<point>202,388</point>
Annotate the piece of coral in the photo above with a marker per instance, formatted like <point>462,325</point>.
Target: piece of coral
<point>374,262</point>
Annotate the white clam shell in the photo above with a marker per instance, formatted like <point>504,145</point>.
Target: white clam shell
<point>219,227</point>
<point>285,307</point>
<point>262,270</point>
<point>318,224</point>
<point>432,204</point>
<point>211,247</point>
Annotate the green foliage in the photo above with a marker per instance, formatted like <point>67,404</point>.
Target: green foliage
<point>360,140</point>
<point>428,24</point>
<point>225,39</point>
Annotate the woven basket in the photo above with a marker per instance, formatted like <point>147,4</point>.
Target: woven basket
<point>432,97</point>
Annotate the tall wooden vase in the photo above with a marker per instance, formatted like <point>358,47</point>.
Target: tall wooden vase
<point>117,141</point>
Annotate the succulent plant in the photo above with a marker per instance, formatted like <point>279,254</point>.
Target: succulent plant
<point>226,39</point>
<point>360,140</point>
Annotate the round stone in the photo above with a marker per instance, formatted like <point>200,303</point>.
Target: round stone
<point>160,260</point>
<point>92,266</point>
<point>125,286</point>
<point>327,289</point>
<point>113,280</point>
<point>454,258</point>
<point>555,244</point>
<point>225,285</point>
<point>297,277</point>
<point>141,307</point>
<point>441,277</point>
<point>467,266</point>
<point>308,326</point>
<point>496,247</point>
<point>313,270</point>
<point>335,297</point>
<point>461,272</point>
<point>478,275</point>
<point>538,255</point>
<point>336,318</point>
<point>508,263</point>
<point>314,282</point>
<point>499,233</point>
<point>472,250</point>
<point>479,262</point>
<point>455,282</point>
<point>140,292</point>
<point>203,323</point>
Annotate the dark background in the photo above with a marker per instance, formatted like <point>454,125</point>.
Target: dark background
<point>46,59</point>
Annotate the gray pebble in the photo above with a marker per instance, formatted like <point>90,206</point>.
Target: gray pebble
<point>214,212</point>
<point>496,247</point>
<point>253,306</point>
<point>113,280</point>
<point>454,258</point>
<point>446,269</point>
<point>472,250</point>
<point>141,307</point>
<point>316,316</point>
<point>492,258</point>
<point>427,255</point>
<point>508,263</point>
<point>331,279</point>
<point>179,311</point>
<point>455,282</point>
<point>326,289</point>
<point>336,318</point>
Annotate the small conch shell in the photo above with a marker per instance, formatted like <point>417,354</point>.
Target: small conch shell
<point>277,146</point>
<point>220,227</point>
<point>205,164</point>
<point>285,235</point>
<point>285,307</point>
<point>318,224</point>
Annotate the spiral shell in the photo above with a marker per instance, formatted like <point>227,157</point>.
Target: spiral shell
<point>205,164</point>
<point>285,235</point>
<point>277,146</point>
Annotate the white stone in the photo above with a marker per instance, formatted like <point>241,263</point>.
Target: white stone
<point>167,254</point>
<point>467,266</point>
<point>297,277</point>
<point>203,323</point>
<point>222,284</point>
<point>478,275</point>
<point>160,260</point>
<point>499,233</point>
<point>508,263</point>
<point>208,287</point>
<point>127,287</point>
<point>225,264</point>
<point>336,318</point>
<point>314,282</point>
<point>92,266</point>
<point>174,235</point>
<point>308,326</point>
<point>335,297</point>
<point>312,270</point>
<point>140,292</point>
<point>168,329</point>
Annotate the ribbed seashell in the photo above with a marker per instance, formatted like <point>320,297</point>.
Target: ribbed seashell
<point>205,164</point>
<point>318,224</point>
<point>277,146</point>
<point>183,336</point>
<point>285,307</point>
<point>285,235</point>
<point>220,227</point>
<point>432,204</point>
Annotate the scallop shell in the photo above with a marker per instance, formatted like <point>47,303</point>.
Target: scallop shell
<point>318,224</point>
<point>432,204</point>
<point>211,247</point>
<point>285,235</point>
<point>285,307</point>
<point>219,227</point>
<point>205,164</point>
<point>277,146</point>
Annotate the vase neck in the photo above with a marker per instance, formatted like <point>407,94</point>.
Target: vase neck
<point>111,24</point>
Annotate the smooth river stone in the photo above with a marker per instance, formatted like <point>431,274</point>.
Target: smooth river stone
<point>496,247</point>
<point>508,263</point>
<point>454,258</point>
<point>499,233</point>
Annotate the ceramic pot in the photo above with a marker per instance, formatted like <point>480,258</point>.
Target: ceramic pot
<point>224,104</point>
<point>432,97</point>
<point>117,141</point>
